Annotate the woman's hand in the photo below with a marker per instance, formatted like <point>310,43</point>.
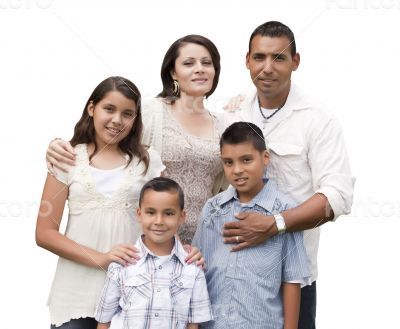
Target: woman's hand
<point>194,256</point>
<point>124,254</point>
<point>58,153</point>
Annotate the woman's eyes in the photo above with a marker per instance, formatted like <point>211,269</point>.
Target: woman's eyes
<point>205,63</point>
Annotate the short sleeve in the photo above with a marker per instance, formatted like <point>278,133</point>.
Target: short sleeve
<point>62,176</point>
<point>156,167</point>
<point>200,306</point>
<point>108,304</point>
<point>296,265</point>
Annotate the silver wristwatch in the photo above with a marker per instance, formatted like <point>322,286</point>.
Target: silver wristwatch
<point>280,223</point>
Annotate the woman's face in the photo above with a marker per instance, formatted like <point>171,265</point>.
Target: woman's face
<point>194,70</point>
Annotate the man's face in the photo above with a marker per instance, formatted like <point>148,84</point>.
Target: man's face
<point>271,64</point>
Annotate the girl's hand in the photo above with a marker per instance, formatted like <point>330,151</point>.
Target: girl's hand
<point>59,152</point>
<point>123,254</point>
<point>194,256</point>
<point>234,103</point>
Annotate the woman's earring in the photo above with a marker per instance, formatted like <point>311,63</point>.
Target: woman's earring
<point>176,89</point>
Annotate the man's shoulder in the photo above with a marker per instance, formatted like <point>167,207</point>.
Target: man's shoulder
<point>313,105</point>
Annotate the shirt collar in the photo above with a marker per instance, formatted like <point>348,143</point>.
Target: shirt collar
<point>178,251</point>
<point>265,198</point>
<point>296,99</point>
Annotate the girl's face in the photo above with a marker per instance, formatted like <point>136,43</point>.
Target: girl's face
<point>113,118</point>
<point>194,70</point>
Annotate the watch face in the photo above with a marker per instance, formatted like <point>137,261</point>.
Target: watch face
<point>280,223</point>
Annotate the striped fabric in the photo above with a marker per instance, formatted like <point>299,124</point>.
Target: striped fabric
<point>157,292</point>
<point>245,286</point>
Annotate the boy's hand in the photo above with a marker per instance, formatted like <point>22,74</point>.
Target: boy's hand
<point>195,255</point>
<point>251,230</point>
<point>103,325</point>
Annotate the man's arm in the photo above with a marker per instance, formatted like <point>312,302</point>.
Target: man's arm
<point>103,325</point>
<point>291,304</point>
<point>333,186</point>
<point>254,228</point>
<point>192,326</point>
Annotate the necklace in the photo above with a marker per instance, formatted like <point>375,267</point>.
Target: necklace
<point>266,118</point>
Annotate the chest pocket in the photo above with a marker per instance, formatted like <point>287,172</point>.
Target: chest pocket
<point>181,289</point>
<point>136,289</point>
<point>288,164</point>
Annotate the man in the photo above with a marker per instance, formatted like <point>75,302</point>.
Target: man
<point>308,155</point>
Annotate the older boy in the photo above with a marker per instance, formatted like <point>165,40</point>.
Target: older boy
<point>161,290</point>
<point>255,287</point>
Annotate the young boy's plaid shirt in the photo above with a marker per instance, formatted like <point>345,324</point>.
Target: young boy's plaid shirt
<point>157,292</point>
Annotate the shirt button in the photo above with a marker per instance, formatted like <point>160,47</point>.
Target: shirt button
<point>158,290</point>
<point>156,315</point>
<point>180,284</point>
<point>160,267</point>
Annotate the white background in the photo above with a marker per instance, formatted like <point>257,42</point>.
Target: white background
<point>54,53</point>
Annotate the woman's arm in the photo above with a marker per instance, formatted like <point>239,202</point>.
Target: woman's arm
<point>291,304</point>
<point>192,326</point>
<point>103,325</point>
<point>48,236</point>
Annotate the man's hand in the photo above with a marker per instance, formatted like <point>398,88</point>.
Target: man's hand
<point>251,230</point>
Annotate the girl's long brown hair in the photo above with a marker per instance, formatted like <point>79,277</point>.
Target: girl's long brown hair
<point>132,144</point>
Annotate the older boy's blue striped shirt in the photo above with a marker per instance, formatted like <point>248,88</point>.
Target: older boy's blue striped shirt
<point>245,286</point>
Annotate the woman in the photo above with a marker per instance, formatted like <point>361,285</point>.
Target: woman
<point>178,125</point>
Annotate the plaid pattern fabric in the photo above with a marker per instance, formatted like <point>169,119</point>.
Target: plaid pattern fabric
<point>157,292</point>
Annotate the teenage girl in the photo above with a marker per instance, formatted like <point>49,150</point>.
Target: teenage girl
<point>102,192</point>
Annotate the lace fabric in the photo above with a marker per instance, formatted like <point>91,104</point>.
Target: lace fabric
<point>97,222</point>
<point>193,162</point>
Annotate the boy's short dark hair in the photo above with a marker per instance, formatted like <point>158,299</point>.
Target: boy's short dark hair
<point>275,29</point>
<point>242,132</point>
<point>163,184</point>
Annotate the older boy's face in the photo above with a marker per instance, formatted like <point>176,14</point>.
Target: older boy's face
<point>160,215</point>
<point>244,168</point>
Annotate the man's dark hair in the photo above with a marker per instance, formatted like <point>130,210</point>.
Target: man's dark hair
<point>275,29</point>
<point>242,132</point>
<point>163,184</point>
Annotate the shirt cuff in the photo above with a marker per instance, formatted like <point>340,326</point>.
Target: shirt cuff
<point>336,201</point>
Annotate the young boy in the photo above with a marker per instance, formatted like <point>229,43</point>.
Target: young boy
<point>255,287</point>
<point>161,290</point>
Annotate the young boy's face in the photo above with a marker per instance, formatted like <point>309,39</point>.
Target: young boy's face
<point>160,215</point>
<point>244,168</point>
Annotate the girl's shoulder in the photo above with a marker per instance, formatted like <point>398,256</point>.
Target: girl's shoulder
<point>81,160</point>
<point>81,152</point>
